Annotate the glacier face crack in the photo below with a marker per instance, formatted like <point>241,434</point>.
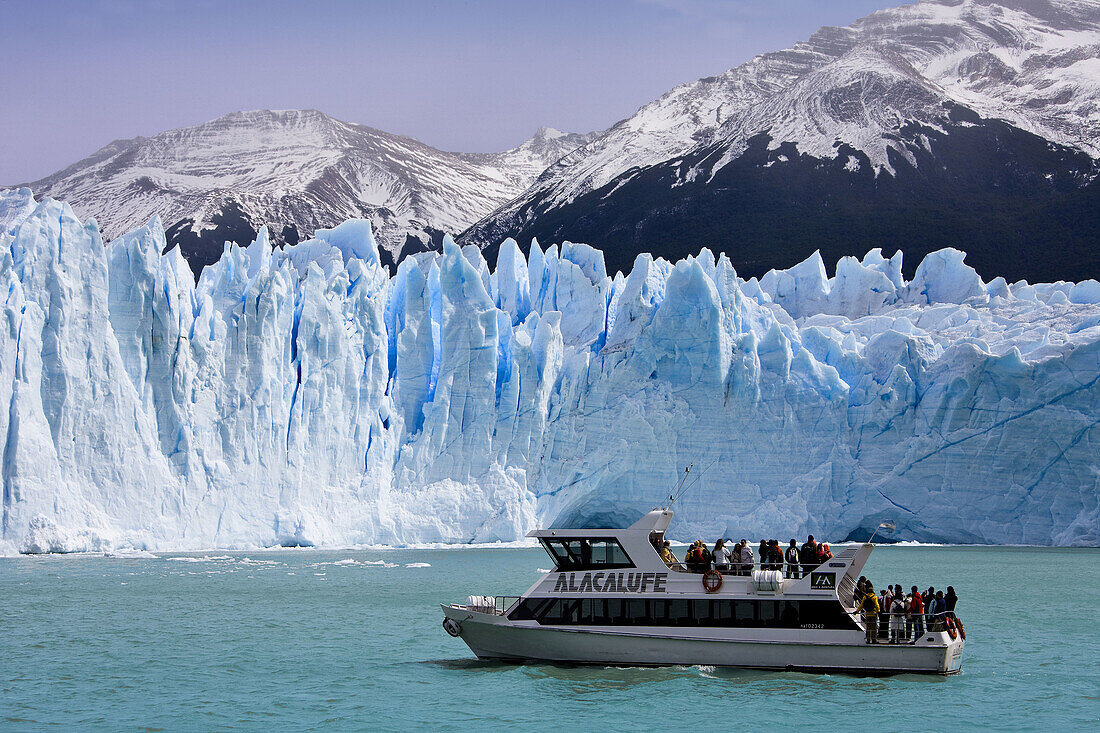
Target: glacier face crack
<point>306,395</point>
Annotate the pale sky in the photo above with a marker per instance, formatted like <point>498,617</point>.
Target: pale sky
<point>474,76</point>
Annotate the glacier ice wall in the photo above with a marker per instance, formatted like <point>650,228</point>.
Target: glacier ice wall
<point>304,395</point>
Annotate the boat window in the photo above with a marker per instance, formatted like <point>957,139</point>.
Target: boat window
<point>531,608</point>
<point>679,613</point>
<point>728,613</point>
<point>563,611</point>
<point>723,613</point>
<point>767,613</point>
<point>788,614</point>
<point>593,611</point>
<point>587,553</point>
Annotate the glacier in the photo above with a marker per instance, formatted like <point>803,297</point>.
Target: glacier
<point>304,395</point>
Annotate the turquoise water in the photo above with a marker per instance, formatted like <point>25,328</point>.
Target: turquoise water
<point>290,640</point>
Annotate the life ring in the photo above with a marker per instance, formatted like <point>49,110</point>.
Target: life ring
<point>951,631</point>
<point>452,627</point>
<point>712,581</point>
<point>962,631</point>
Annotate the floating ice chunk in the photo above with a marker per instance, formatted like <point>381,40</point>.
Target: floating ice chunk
<point>132,554</point>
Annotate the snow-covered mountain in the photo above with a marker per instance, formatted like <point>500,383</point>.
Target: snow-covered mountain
<point>295,171</point>
<point>971,119</point>
<point>303,395</point>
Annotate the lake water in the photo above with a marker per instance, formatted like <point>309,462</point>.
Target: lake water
<point>323,640</point>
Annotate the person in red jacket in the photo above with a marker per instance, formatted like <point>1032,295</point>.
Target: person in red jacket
<point>914,622</point>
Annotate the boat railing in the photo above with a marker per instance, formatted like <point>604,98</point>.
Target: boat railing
<point>745,570</point>
<point>497,605</point>
<point>846,592</point>
<point>907,628</point>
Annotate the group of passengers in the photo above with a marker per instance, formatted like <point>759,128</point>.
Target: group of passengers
<point>902,617</point>
<point>740,560</point>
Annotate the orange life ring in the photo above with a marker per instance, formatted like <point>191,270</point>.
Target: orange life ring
<point>951,628</point>
<point>962,631</point>
<point>712,581</point>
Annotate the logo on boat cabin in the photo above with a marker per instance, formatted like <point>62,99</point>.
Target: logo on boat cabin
<point>822,581</point>
<point>611,583</point>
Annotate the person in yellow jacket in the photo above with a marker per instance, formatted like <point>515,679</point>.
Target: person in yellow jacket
<point>666,554</point>
<point>870,608</point>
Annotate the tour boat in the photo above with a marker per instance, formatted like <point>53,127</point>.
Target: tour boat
<point>612,600</point>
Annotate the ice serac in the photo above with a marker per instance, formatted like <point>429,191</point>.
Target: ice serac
<point>303,395</point>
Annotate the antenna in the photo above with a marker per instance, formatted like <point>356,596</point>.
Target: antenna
<point>681,490</point>
<point>697,477</point>
<point>675,494</point>
<point>882,525</point>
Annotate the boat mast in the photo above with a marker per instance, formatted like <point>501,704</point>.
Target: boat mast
<point>679,489</point>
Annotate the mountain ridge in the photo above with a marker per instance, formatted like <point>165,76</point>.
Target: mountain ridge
<point>296,171</point>
<point>896,90</point>
<point>1020,68</point>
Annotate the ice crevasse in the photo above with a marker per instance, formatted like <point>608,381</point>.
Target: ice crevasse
<point>304,395</point>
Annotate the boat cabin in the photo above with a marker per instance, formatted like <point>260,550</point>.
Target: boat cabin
<point>617,577</point>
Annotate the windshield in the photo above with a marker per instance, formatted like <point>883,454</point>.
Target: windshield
<point>587,553</point>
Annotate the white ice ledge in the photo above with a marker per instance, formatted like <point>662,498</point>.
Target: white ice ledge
<point>304,396</point>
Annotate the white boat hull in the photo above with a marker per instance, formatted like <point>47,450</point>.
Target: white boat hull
<point>492,636</point>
